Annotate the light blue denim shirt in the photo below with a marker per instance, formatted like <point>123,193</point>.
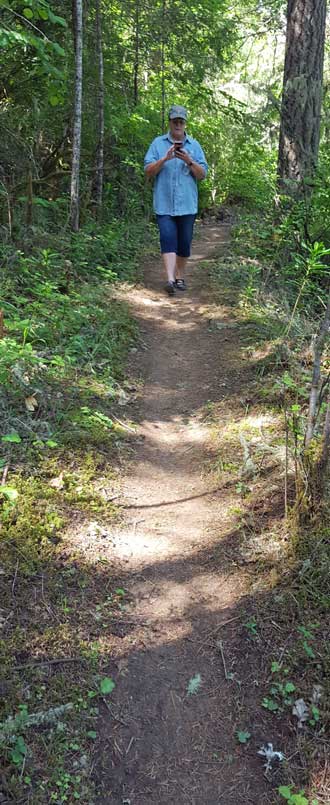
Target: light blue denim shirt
<point>175,187</point>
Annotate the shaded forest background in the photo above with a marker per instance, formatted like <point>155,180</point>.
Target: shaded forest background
<point>86,88</point>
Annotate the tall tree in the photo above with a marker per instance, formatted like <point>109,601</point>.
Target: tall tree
<point>137,52</point>
<point>77,117</point>
<point>302,94</point>
<point>100,146</point>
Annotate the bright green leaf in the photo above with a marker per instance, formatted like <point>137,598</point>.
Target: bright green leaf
<point>54,100</point>
<point>107,685</point>
<point>285,791</point>
<point>269,704</point>
<point>12,437</point>
<point>9,492</point>
<point>289,687</point>
<point>28,13</point>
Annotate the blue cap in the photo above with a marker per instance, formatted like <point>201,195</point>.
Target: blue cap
<point>177,111</point>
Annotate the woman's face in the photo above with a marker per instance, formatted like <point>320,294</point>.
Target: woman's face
<point>177,128</point>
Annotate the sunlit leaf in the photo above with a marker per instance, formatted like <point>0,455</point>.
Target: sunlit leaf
<point>12,437</point>
<point>54,100</point>
<point>10,493</point>
<point>107,685</point>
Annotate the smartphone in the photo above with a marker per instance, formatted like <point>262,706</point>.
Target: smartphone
<point>178,145</point>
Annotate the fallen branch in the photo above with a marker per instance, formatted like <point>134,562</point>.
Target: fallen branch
<point>220,646</point>
<point>9,728</point>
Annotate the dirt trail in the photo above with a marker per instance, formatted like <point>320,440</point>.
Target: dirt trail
<point>159,744</point>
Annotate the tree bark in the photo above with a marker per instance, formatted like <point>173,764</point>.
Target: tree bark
<point>137,52</point>
<point>100,146</point>
<point>29,200</point>
<point>76,143</point>
<point>302,95</point>
<point>324,461</point>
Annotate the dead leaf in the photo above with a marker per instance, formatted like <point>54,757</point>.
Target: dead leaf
<point>31,403</point>
<point>123,398</point>
<point>301,711</point>
<point>57,483</point>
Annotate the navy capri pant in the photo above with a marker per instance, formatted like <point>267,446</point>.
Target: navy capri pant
<point>176,233</point>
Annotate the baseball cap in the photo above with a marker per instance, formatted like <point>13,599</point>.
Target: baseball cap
<point>177,111</point>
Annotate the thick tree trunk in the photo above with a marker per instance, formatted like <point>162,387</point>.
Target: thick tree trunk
<point>302,94</point>
<point>100,146</point>
<point>76,144</point>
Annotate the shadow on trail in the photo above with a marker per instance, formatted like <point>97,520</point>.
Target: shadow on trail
<point>158,744</point>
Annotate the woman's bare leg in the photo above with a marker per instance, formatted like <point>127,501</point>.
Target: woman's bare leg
<point>169,261</point>
<point>180,266</point>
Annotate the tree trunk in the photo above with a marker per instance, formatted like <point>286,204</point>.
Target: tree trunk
<point>76,143</point>
<point>100,147</point>
<point>302,95</point>
<point>137,52</point>
<point>29,199</point>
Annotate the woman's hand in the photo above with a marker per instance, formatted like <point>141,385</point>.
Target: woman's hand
<point>154,168</point>
<point>184,156</point>
<point>197,170</point>
<point>170,153</point>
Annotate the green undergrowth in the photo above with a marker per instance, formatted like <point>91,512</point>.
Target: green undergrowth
<point>256,453</point>
<point>64,345</point>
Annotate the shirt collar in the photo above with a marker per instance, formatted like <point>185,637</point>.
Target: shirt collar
<point>168,136</point>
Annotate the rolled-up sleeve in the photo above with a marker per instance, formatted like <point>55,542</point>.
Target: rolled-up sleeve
<point>199,156</point>
<point>152,154</point>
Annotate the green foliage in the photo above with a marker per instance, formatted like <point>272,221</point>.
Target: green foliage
<point>194,685</point>
<point>294,799</point>
<point>252,627</point>
<point>107,685</point>
<point>65,333</point>
<point>243,736</point>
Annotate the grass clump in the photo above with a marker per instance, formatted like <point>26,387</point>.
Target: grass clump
<point>63,351</point>
<point>277,295</point>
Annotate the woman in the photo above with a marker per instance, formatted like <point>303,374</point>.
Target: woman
<point>176,162</point>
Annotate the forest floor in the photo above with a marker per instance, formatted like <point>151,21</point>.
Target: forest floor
<point>199,553</point>
<point>150,586</point>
